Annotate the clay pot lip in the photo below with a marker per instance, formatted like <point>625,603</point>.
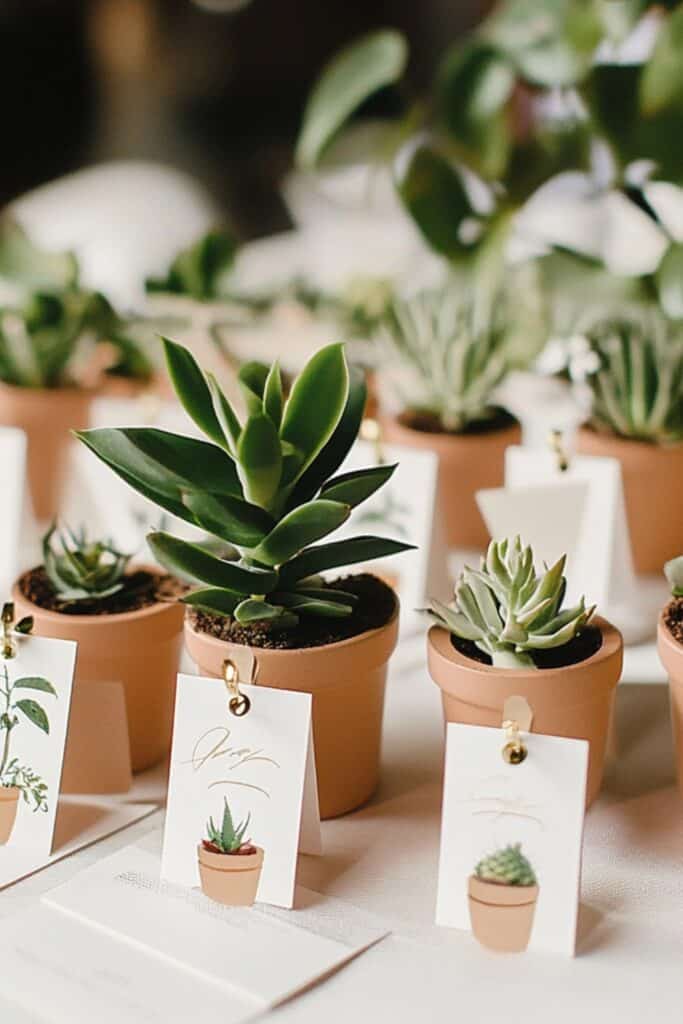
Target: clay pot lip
<point>439,642</point>
<point>665,640</point>
<point>446,436</point>
<point>496,894</point>
<point>632,443</point>
<point>8,794</point>
<point>66,391</point>
<point>230,862</point>
<point>214,642</point>
<point>148,612</point>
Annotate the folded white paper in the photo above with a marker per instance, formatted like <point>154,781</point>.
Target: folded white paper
<point>12,506</point>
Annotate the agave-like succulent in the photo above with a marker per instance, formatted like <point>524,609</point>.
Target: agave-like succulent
<point>508,610</point>
<point>80,569</point>
<point>673,571</point>
<point>507,866</point>
<point>229,838</point>
<point>636,376</point>
<point>266,486</point>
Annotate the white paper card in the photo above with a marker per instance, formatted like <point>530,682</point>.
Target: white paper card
<point>489,805</point>
<point>262,763</point>
<point>35,696</point>
<point>12,504</point>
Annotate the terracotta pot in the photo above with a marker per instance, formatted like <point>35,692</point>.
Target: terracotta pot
<point>575,701</point>
<point>46,415</point>
<point>347,680</point>
<point>502,916</point>
<point>140,649</point>
<point>671,654</point>
<point>230,878</point>
<point>467,464</point>
<point>653,480</point>
<point>9,801</point>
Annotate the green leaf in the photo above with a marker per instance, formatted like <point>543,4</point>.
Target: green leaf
<point>253,610</point>
<point>370,63</point>
<point>22,261</point>
<point>661,85</point>
<point>192,389</point>
<point>341,552</point>
<point>302,604</point>
<point>669,279</point>
<point>198,270</point>
<point>299,528</point>
<point>193,561</point>
<point>25,625</point>
<point>358,485</point>
<point>260,459</point>
<point>254,375</point>
<point>235,521</point>
<point>315,406</point>
<point>34,713</point>
<point>36,683</point>
<point>434,196</point>
<point>217,600</point>
<point>272,395</point>
<point>225,414</point>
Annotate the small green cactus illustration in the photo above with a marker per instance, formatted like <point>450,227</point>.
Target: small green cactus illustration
<point>507,866</point>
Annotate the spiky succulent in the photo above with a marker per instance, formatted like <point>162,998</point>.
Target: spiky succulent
<point>673,571</point>
<point>508,610</point>
<point>265,486</point>
<point>449,364</point>
<point>80,569</point>
<point>636,377</point>
<point>507,866</point>
<point>229,838</point>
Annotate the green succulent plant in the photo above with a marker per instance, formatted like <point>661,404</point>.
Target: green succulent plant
<point>507,866</point>
<point>673,571</point>
<point>199,270</point>
<point>509,610</point>
<point>266,486</point>
<point>80,569</point>
<point>637,378</point>
<point>450,363</point>
<point>229,838</point>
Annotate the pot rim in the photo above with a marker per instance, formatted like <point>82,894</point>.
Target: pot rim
<point>214,642</point>
<point>149,611</point>
<point>213,861</point>
<point>666,640</point>
<point>65,391</point>
<point>507,896</point>
<point>632,443</point>
<point>9,793</point>
<point>453,436</point>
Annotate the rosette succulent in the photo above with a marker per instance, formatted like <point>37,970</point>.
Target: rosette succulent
<point>507,866</point>
<point>508,609</point>
<point>80,569</point>
<point>267,486</point>
<point>673,570</point>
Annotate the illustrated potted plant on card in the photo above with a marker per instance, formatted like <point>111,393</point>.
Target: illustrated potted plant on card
<point>670,644</point>
<point>633,366</point>
<point>229,864</point>
<point>502,894</point>
<point>17,710</point>
<point>267,487</point>
<point>127,624</point>
<point>58,344</point>
<point>507,633</point>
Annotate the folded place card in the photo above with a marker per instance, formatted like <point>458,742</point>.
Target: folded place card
<point>13,503</point>
<point>259,768</point>
<point>511,838</point>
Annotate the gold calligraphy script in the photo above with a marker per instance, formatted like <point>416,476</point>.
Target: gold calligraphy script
<point>215,744</point>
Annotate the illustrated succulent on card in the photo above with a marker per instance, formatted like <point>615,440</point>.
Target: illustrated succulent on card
<point>502,894</point>
<point>229,863</point>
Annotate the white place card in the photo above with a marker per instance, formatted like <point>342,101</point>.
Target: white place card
<point>490,806</point>
<point>262,763</point>
<point>13,504</point>
<point>35,698</point>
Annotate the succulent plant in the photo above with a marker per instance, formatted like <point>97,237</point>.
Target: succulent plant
<point>636,376</point>
<point>266,486</point>
<point>80,569</point>
<point>508,610</point>
<point>507,866</point>
<point>673,571</point>
<point>228,839</point>
<point>448,365</point>
<point>200,269</point>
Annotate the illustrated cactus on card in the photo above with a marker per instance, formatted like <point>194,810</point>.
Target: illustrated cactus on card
<point>507,866</point>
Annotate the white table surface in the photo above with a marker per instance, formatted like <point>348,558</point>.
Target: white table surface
<point>384,858</point>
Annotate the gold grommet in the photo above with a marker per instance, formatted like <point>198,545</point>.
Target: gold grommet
<point>238,704</point>
<point>9,646</point>
<point>514,751</point>
<point>556,444</point>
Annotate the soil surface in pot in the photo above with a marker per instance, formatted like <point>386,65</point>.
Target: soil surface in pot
<point>673,618</point>
<point>583,646</point>
<point>429,423</point>
<point>376,602</point>
<point>140,590</point>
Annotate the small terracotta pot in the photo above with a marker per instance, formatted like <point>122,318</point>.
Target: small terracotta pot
<point>347,681</point>
<point>671,655</point>
<point>46,415</point>
<point>575,701</point>
<point>653,479</point>
<point>502,916</point>
<point>228,878</point>
<point>9,801</point>
<point>140,649</point>
<point>467,463</point>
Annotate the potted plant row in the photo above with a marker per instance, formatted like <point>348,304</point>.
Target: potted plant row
<point>670,644</point>
<point>269,488</point>
<point>508,634</point>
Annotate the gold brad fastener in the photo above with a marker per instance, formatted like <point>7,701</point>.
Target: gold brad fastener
<point>238,702</point>
<point>514,751</point>
<point>517,718</point>
<point>557,446</point>
<point>9,645</point>
<point>371,431</point>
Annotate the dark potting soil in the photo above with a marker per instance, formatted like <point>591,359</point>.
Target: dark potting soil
<point>673,618</point>
<point>428,423</point>
<point>584,644</point>
<point>140,590</point>
<point>376,602</point>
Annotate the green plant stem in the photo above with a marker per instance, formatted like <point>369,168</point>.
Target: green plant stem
<point>509,659</point>
<point>7,692</point>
